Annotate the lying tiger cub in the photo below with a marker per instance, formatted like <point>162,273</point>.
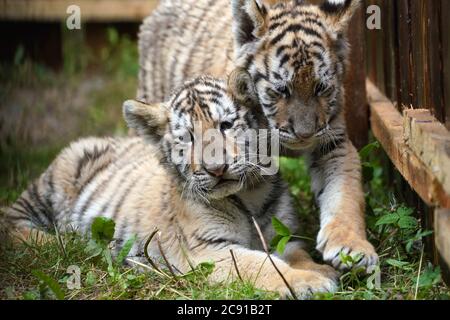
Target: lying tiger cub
<point>201,210</point>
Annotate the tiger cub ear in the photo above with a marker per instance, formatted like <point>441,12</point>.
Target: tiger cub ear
<point>249,21</point>
<point>241,86</point>
<point>148,121</point>
<point>340,12</point>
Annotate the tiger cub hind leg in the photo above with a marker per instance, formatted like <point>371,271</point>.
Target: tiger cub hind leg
<point>28,235</point>
<point>254,266</point>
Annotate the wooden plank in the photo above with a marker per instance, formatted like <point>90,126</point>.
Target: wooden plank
<point>387,127</point>
<point>404,48</point>
<point>418,49</point>
<point>445,36</point>
<point>379,50</point>
<point>434,43</point>
<point>430,141</point>
<point>356,108</point>
<point>371,58</point>
<point>442,233</point>
<point>389,53</point>
<point>91,10</point>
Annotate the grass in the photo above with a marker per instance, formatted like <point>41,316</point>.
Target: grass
<point>39,270</point>
<point>405,271</point>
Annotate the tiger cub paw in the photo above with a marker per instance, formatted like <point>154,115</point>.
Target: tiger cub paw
<point>336,247</point>
<point>306,284</point>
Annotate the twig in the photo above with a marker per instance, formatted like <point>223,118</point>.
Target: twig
<point>235,265</point>
<point>266,249</point>
<point>184,252</point>
<point>164,256</point>
<point>146,267</point>
<point>259,270</point>
<point>418,274</point>
<point>152,263</point>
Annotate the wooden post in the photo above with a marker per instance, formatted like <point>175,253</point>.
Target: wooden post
<point>356,108</point>
<point>442,236</point>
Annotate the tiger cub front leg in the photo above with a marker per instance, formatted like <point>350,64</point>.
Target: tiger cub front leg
<point>254,266</point>
<point>336,182</point>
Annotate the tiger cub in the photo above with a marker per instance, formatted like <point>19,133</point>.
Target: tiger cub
<point>202,209</point>
<point>296,53</point>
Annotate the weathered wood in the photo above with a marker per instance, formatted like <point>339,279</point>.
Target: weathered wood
<point>91,10</point>
<point>387,127</point>
<point>430,141</point>
<point>356,108</point>
<point>445,36</point>
<point>442,233</point>
<point>434,44</point>
<point>404,51</point>
<point>390,61</point>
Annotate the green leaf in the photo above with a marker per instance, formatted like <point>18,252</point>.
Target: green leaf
<point>404,211</point>
<point>108,258</point>
<point>113,36</point>
<point>368,149</point>
<point>31,295</point>
<point>371,280</point>
<point>275,240</point>
<point>390,218</point>
<point>280,228</point>
<point>346,259</point>
<point>125,250</point>
<point>50,282</point>
<point>282,244</point>
<point>397,263</point>
<point>406,222</point>
<point>102,229</point>
<point>206,268</point>
<point>19,55</point>
<point>93,249</point>
<point>367,172</point>
<point>430,277</point>
<point>91,278</point>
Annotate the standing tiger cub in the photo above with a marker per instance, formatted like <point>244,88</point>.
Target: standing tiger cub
<point>296,54</point>
<point>202,209</point>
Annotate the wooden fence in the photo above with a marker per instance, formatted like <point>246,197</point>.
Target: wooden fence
<point>408,67</point>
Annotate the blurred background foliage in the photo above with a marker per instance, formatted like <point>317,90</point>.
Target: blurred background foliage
<point>42,109</point>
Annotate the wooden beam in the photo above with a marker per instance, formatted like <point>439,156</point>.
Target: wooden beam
<point>91,10</point>
<point>442,233</point>
<point>430,141</point>
<point>387,127</point>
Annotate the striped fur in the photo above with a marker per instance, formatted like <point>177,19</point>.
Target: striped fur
<point>296,55</point>
<point>135,182</point>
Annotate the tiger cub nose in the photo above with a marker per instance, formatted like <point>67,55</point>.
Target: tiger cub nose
<point>216,170</point>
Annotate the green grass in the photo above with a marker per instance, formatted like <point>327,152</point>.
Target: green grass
<point>35,270</point>
<point>405,270</point>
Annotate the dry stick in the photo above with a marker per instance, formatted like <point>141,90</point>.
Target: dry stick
<point>184,252</point>
<point>152,263</point>
<point>146,267</point>
<point>418,274</point>
<point>266,249</point>
<point>235,265</point>
<point>164,257</point>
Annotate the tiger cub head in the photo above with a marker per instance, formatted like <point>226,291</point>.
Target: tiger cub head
<point>296,54</point>
<point>200,130</point>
